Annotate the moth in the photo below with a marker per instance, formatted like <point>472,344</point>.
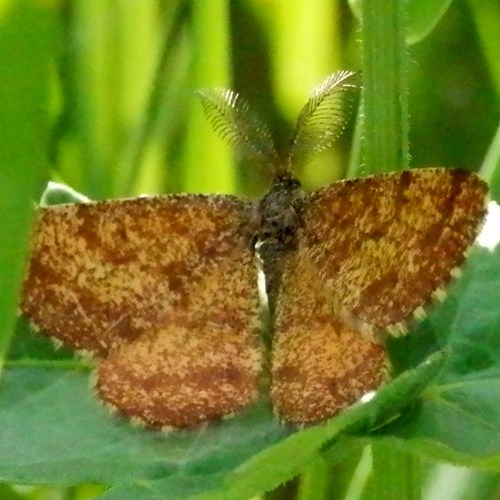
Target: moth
<point>163,291</point>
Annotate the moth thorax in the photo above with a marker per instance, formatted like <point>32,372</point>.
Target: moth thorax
<point>279,214</point>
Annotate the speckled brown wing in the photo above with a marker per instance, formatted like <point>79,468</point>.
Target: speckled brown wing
<point>201,364</point>
<point>383,246</point>
<point>370,253</point>
<point>164,289</point>
<point>319,365</point>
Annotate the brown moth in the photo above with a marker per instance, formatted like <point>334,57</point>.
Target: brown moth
<point>163,293</point>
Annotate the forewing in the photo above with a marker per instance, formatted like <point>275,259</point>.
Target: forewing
<point>319,365</point>
<point>385,245</point>
<point>102,273</point>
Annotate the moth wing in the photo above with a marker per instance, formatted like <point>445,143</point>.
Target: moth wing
<point>385,245</point>
<point>101,273</point>
<point>165,290</point>
<point>203,363</point>
<point>319,365</point>
<point>370,252</point>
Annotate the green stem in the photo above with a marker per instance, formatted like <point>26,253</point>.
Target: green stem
<point>396,473</point>
<point>385,114</point>
<point>385,94</point>
<point>360,476</point>
<point>314,481</point>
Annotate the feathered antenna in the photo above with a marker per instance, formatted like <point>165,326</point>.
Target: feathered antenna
<point>233,120</point>
<point>323,118</point>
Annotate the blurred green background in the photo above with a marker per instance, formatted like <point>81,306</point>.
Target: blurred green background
<point>100,95</point>
<point>124,117</point>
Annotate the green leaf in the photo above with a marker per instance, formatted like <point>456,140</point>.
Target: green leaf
<point>52,430</point>
<point>27,34</point>
<point>490,169</point>
<point>283,461</point>
<point>423,16</point>
<point>458,417</point>
<point>486,16</point>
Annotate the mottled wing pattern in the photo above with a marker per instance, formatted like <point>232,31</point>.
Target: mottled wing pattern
<point>319,365</point>
<point>383,246</point>
<point>163,289</point>
<point>370,253</point>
